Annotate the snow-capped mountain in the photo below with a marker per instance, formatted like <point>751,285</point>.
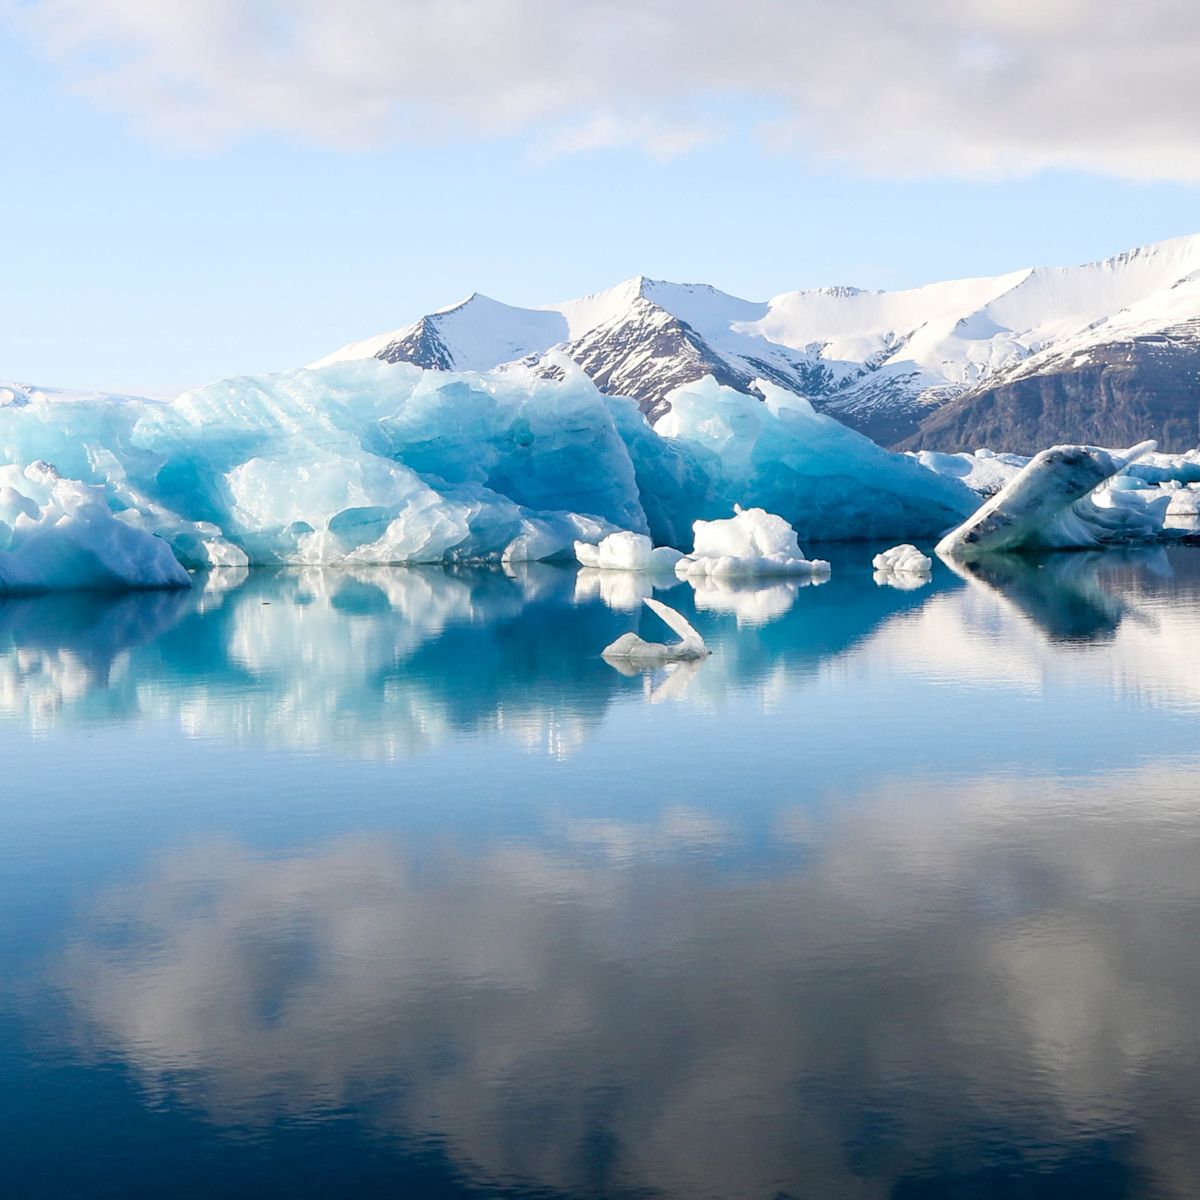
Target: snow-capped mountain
<point>941,365</point>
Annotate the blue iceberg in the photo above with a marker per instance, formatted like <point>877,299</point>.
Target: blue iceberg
<point>374,463</point>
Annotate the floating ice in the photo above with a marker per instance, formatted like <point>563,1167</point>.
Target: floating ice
<point>1049,505</point>
<point>751,542</point>
<point>903,560</point>
<point>59,534</point>
<point>626,551</point>
<point>633,648</point>
<point>368,462</point>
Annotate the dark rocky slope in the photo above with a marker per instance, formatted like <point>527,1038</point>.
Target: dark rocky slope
<point>1117,394</point>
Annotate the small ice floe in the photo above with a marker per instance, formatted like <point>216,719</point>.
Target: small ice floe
<point>626,551</point>
<point>903,567</point>
<point>751,542</point>
<point>1050,505</point>
<point>631,648</point>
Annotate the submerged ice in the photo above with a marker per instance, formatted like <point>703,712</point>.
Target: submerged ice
<point>374,463</point>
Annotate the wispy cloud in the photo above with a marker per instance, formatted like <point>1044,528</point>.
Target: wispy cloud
<point>957,87</point>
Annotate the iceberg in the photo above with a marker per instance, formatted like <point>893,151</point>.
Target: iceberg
<point>60,534</point>
<point>778,453</point>
<point>626,551</point>
<point>630,647</point>
<point>369,463</point>
<point>751,542</point>
<point>1050,505</point>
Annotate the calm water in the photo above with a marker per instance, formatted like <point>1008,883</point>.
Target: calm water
<point>384,883</point>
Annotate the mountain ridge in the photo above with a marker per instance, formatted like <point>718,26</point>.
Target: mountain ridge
<point>889,363</point>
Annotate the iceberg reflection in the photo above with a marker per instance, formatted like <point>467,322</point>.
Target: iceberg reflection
<point>379,662</point>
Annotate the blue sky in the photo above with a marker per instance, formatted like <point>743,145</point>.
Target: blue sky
<point>166,226</point>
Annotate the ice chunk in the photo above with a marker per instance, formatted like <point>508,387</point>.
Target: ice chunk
<point>903,560</point>
<point>751,542</point>
<point>60,534</point>
<point>631,647</point>
<point>627,551</point>
<point>1048,506</point>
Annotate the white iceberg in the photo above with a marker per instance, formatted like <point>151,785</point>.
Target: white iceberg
<point>630,647</point>
<point>751,542</point>
<point>627,551</point>
<point>903,560</point>
<point>59,534</point>
<point>1049,505</point>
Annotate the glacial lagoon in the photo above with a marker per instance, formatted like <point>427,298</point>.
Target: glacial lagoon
<point>382,881</point>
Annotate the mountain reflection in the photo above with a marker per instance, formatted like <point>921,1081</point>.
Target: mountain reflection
<point>1001,978</point>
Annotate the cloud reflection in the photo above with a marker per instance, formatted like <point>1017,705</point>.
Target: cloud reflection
<point>930,973</point>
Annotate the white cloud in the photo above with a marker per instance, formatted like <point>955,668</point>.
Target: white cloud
<point>961,87</point>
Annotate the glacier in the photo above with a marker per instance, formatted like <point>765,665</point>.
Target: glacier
<point>367,462</point>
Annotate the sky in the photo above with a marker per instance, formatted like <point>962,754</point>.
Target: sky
<point>198,190</point>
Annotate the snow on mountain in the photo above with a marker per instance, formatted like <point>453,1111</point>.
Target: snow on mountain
<point>883,362</point>
<point>475,335</point>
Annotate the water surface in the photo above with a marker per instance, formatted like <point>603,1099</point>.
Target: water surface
<point>384,882</point>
